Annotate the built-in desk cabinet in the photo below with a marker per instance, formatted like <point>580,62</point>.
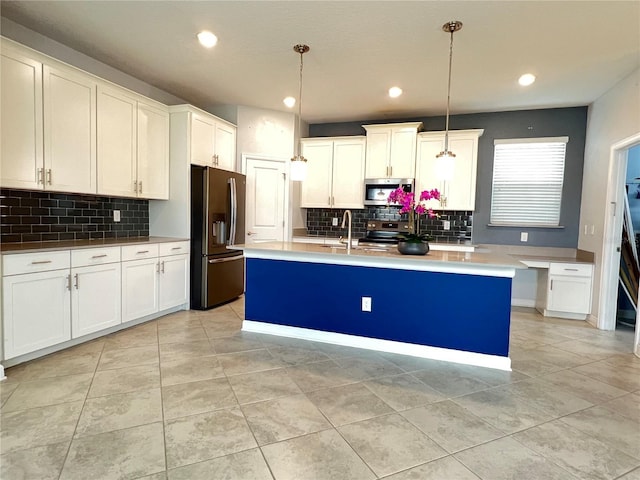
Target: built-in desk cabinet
<point>335,172</point>
<point>391,150</point>
<point>50,298</point>
<point>456,179</point>
<point>564,290</point>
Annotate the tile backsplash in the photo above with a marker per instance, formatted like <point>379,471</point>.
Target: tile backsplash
<point>34,216</point>
<point>319,222</point>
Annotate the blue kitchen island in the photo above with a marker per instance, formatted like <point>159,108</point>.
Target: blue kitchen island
<point>453,306</point>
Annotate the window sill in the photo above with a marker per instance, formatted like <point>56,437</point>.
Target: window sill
<point>525,225</point>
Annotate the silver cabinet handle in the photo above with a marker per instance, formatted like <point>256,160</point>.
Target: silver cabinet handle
<point>226,259</point>
<point>570,269</point>
<point>40,174</point>
<point>135,186</point>
<point>140,186</point>
<point>391,171</point>
<point>157,267</point>
<point>49,176</point>
<point>76,281</point>
<point>100,256</point>
<point>142,251</point>
<point>162,266</point>
<point>69,282</point>
<point>551,285</point>
<point>40,262</point>
<point>176,248</point>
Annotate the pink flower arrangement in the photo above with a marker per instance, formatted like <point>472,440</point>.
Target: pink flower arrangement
<point>409,205</point>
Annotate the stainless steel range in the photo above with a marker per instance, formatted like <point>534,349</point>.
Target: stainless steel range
<point>383,232</point>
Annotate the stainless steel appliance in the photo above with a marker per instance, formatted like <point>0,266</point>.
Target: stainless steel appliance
<point>383,232</point>
<point>377,190</point>
<point>217,220</point>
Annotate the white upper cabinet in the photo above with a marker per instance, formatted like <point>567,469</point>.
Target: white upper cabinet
<point>153,151</point>
<point>335,172</point>
<point>459,190</point>
<point>21,161</point>
<point>48,130</point>
<point>391,150</point>
<point>69,131</point>
<point>133,149</point>
<point>213,141</point>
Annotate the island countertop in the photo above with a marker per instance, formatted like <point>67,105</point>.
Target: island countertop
<point>480,262</point>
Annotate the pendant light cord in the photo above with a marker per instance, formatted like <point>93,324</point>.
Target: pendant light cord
<point>446,129</point>
<point>300,106</point>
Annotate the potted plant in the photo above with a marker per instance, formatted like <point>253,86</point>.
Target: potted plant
<point>414,243</point>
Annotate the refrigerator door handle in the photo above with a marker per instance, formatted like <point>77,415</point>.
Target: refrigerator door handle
<point>226,259</point>
<point>234,211</point>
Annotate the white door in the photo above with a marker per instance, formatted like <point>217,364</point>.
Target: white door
<point>36,311</point>
<point>139,288</point>
<point>95,298</point>
<point>265,200</point>
<point>173,281</point>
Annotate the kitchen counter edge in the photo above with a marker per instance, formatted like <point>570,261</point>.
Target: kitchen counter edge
<point>35,247</point>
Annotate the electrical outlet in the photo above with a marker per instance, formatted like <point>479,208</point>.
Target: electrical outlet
<point>116,215</point>
<point>366,304</point>
<point>524,236</point>
<point>334,221</point>
<point>446,224</point>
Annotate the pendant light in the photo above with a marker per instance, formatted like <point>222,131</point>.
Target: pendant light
<point>298,162</point>
<point>445,157</point>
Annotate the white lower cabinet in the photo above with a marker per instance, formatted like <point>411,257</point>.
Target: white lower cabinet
<point>49,298</point>
<point>565,291</point>
<point>36,311</point>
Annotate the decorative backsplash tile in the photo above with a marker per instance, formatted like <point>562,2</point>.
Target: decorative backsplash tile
<point>319,222</point>
<point>34,216</point>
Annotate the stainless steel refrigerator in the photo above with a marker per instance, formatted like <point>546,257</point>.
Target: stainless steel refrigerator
<point>217,220</point>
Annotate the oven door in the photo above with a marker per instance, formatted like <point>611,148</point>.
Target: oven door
<point>377,190</point>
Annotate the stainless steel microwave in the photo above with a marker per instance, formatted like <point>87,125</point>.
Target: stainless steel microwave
<point>377,190</point>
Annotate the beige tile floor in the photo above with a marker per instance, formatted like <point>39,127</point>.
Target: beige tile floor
<point>189,396</point>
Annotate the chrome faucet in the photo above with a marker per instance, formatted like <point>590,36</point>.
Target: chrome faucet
<point>347,213</point>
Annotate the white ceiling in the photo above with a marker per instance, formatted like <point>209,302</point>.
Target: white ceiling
<point>577,49</point>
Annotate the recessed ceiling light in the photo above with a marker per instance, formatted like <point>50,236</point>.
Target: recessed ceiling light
<point>207,39</point>
<point>527,79</point>
<point>289,102</point>
<point>395,92</point>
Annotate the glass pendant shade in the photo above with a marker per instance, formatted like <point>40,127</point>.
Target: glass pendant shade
<point>298,168</point>
<point>445,165</point>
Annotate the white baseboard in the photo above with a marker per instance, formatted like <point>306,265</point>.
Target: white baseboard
<point>414,350</point>
<point>523,302</point>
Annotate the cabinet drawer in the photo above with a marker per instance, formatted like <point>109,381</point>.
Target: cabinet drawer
<point>15,264</point>
<point>571,269</point>
<point>173,248</point>
<point>137,252</point>
<point>94,256</point>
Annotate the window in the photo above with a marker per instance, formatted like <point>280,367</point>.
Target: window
<point>528,174</point>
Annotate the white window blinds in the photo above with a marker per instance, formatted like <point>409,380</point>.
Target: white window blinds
<point>528,175</point>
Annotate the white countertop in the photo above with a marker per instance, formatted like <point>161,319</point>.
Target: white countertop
<point>480,262</point>
<point>34,247</point>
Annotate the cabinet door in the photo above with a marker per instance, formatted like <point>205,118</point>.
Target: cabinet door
<point>21,160</point>
<point>174,272</point>
<point>348,173</point>
<point>153,152</point>
<point>36,311</point>
<point>116,143</point>
<point>69,131</point>
<point>403,153</point>
<point>569,294</point>
<point>316,188</point>
<point>426,167</point>
<point>378,153</point>
<point>139,288</point>
<point>95,299</point>
<point>225,146</point>
<point>462,188</point>
<point>203,133</point>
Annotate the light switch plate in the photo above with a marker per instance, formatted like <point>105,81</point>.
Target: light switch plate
<point>446,224</point>
<point>334,221</point>
<point>524,236</point>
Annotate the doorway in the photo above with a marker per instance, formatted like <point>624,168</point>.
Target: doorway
<point>616,192</point>
<point>267,193</point>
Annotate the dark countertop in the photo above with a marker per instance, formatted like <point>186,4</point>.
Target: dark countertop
<point>8,248</point>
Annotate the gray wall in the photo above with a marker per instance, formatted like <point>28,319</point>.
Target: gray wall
<point>571,122</point>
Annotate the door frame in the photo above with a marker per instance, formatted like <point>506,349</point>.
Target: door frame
<point>288,213</point>
<point>612,235</point>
